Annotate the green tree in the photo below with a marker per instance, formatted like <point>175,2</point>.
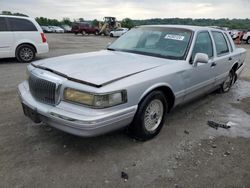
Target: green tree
<point>66,21</point>
<point>95,23</point>
<point>81,20</point>
<point>6,13</point>
<point>128,23</point>
<point>14,14</point>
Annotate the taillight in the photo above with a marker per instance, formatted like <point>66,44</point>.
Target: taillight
<point>43,37</point>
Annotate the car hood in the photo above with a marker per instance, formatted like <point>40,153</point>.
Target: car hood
<point>100,68</point>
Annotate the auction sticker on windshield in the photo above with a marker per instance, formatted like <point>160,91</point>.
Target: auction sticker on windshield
<point>174,37</point>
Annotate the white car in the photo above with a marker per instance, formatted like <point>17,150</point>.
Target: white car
<point>21,37</point>
<point>118,32</point>
<point>246,37</point>
<point>56,29</point>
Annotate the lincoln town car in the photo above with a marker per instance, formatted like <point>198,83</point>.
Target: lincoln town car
<point>134,83</point>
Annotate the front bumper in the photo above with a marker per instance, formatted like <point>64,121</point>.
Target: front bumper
<point>85,122</point>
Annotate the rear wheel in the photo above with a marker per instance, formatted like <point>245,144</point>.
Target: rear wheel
<point>227,84</point>
<point>150,117</point>
<point>25,53</point>
<point>96,32</point>
<point>248,40</point>
<point>111,35</point>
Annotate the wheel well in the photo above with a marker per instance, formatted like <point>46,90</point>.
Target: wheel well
<point>169,95</point>
<point>27,44</point>
<point>235,67</point>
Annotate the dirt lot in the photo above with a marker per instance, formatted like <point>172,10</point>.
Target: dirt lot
<point>187,153</point>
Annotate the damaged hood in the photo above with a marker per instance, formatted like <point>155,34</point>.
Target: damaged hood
<point>100,68</point>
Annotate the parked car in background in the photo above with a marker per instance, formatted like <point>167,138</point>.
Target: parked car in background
<point>234,34</point>
<point>21,37</point>
<point>118,32</point>
<point>56,29</point>
<point>246,37</point>
<point>134,83</point>
<point>46,29</point>
<point>66,28</point>
<point>84,28</point>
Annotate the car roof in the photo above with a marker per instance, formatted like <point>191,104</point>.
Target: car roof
<point>189,27</point>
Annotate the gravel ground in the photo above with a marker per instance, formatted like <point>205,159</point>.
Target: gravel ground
<point>187,152</point>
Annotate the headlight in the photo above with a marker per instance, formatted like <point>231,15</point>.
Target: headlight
<point>95,100</point>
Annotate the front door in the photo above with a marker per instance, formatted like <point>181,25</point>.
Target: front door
<point>200,79</point>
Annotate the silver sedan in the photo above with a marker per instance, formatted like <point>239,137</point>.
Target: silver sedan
<point>134,83</point>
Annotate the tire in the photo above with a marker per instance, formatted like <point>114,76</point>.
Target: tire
<point>228,83</point>
<point>83,33</point>
<point>25,53</point>
<point>75,33</point>
<point>248,40</point>
<point>153,108</point>
<point>111,35</point>
<point>96,32</point>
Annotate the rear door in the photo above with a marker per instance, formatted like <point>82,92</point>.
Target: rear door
<point>223,58</point>
<point>6,39</point>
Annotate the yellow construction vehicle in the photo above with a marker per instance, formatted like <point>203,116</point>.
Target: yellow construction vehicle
<point>108,24</point>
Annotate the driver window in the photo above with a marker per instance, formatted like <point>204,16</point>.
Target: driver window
<point>203,44</point>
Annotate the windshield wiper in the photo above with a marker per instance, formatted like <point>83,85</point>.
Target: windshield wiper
<point>111,49</point>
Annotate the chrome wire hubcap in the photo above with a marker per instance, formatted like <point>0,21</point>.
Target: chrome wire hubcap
<point>26,54</point>
<point>153,115</point>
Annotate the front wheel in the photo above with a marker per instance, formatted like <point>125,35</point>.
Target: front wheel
<point>150,117</point>
<point>227,84</point>
<point>83,33</point>
<point>25,53</point>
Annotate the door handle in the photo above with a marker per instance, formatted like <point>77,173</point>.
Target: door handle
<point>213,64</point>
<point>230,59</point>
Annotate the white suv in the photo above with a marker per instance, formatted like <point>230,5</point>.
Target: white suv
<point>246,37</point>
<point>21,37</point>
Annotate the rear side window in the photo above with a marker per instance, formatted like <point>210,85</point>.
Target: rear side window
<point>220,43</point>
<point>203,44</point>
<point>18,24</point>
<point>229,42</point>
<point>3,25</point>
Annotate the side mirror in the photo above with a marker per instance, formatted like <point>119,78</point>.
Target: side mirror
<point>200,58</point>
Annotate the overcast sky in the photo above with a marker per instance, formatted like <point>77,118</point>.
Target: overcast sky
<point>135,9</point>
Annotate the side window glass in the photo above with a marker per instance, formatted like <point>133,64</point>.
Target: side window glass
<point>3,25</point>
<point>220,43</point>
<point>18,24</point>
<point>228,40</point>
<point>203,44</point>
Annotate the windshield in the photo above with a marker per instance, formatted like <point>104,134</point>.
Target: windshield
<point>166,42</point>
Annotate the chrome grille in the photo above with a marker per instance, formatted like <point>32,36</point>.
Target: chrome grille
<point>42,90</point>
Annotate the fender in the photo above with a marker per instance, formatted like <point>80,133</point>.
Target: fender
<point>153,87</point>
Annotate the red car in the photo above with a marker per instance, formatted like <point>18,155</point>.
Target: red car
<point>84,28</point>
